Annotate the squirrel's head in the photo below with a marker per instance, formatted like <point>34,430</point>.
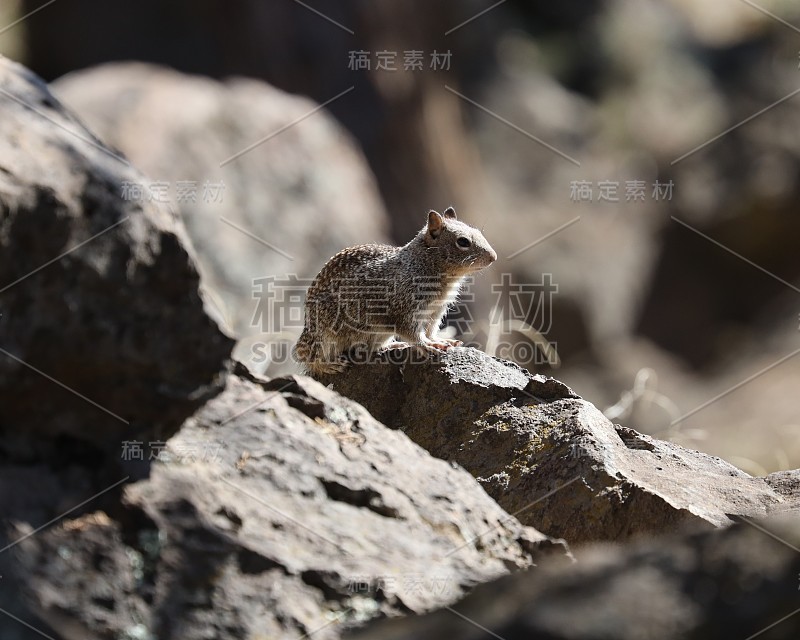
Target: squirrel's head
<point>463,248</point>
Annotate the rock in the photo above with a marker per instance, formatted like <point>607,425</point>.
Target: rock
<point>280,509</point>
<point>300,195</point>
<point>548,456</point>
<point>787,484</point>
<point>624,269</point>
<point>31,496</point>
<point>734,583</point>
<point>103,334</point>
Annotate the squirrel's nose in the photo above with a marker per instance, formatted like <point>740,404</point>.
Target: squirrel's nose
<point>492,255</point>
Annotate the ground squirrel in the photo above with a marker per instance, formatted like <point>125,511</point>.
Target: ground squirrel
<point>374,297</point>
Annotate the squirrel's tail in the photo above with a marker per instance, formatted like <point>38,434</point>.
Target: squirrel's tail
<point>313,360</point>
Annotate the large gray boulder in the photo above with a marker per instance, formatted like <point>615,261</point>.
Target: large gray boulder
<point>548,456</point>
<point>103,333</point>
<point>269,186</point>
<point>279,509</point>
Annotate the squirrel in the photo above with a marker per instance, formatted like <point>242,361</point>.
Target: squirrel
<point>379,297</point>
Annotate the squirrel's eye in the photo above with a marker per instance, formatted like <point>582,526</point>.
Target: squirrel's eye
<point>464,243</point>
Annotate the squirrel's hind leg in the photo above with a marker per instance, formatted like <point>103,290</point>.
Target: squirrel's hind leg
<point>327,367</point>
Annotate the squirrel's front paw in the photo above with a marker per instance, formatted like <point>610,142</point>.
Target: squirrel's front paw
<point>436,345</point>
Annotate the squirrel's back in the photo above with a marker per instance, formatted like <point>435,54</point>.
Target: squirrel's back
<point>352,265</point>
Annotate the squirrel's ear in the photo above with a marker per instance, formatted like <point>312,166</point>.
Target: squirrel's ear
<point>450,213</point>
<point>435,223</point>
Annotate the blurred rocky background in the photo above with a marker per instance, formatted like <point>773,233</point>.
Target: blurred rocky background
<point>645,154</point>
<point>184,169</point>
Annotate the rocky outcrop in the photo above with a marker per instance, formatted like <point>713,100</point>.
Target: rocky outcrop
<point>147,492</point>
<point>737,583</point>
<point>548,456</point>
<point>787,484</point>
<point>269,186</point>
<point>279,509</point>
<point>103,334</point>
<point>629,274</point>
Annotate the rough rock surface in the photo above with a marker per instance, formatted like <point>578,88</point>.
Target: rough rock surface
<point>102,328</point>
<point>736,583</point>
<point>280,509</point>
<point>303,190</point>
<point>787,484</point>
<point>548,456</point>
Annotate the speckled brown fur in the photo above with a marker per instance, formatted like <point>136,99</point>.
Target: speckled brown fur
<point>375,296</point>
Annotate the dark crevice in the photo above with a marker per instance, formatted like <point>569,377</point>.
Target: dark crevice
<point>366,498</point>
<point>548,389</point>
<point>252,563</point>
<point>140,533</point>
<point>632,439</point>
<point>332,585</point>
<point>309,407</point>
